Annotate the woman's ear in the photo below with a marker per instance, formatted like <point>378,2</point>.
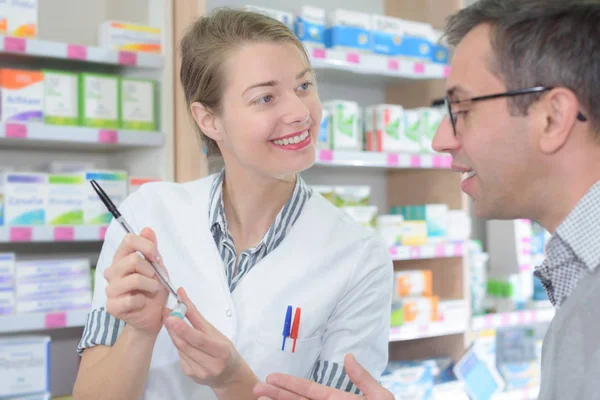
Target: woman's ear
<point>206,121</point>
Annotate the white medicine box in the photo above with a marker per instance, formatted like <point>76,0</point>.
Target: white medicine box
<point>24,365</point>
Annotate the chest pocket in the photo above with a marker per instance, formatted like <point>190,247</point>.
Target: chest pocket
<point>267,356</point>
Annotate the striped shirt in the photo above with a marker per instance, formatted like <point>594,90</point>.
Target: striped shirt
<point>236,269</point>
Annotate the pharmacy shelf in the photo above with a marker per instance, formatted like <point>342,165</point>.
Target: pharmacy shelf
<point>32,234</point>
<point>349,158</point>
<point>519,394</point>
<point>427,251</point>
<point>515,318</point>
<point>38,135</point>
<point>43,321</point>
<point>73,52</point>
<point>334,64</point>
<point>433,329</point>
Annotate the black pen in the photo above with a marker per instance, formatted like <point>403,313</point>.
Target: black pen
<point>121,220</point>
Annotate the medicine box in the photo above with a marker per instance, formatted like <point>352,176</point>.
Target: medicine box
<point>408,382</point>
<point>348,30</point>
<point>431,118</point>
<point>284,17</point>
<point>7,271</point>
<point>99,97</point>
<point>413,283</point>
<point>22,18</point>
<point>412,130</point>
<point>26,198</point>
<point>126,36</point>
<point>4,17</point>
<point>3,171</point>
<point>51,270</point>
<point>351,195</point>
<point>390,228</point>
<point>420,310</point>
<point>433,217</point>
<point>364,215</point>
<point>114,183</point>
<point>310,25</point>
<point>345,125</point>
<point>7,302</point>
<point>24,365</point>
<point>137,104</point>
<point>136,182</point>
<point>416,41</point>
<point>385,129</point>
<point>66,193</point>
<point>53,289</point>
<point>324,138</point>
<point>67,302</point>
<point>22,93</point>
<point>61,98</point>
<point>387,34</point>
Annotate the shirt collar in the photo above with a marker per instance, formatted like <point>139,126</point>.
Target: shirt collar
<point>283,222</point>
<point>581,229</point>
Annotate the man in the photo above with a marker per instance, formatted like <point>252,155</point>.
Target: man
<point>524,128</point>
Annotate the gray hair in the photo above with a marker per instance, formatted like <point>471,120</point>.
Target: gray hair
<point>552,43</point>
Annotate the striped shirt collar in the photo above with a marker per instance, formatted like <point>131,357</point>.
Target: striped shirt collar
<point>283,222</point>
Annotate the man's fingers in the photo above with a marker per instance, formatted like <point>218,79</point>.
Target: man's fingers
<point>266,391</point>
<point>302,387</point>
<point>361,377</point>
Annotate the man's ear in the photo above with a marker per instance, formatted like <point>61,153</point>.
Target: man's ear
<point>206,121</point>
<point>559,109</point>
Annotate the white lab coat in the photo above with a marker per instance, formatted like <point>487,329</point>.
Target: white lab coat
<point>339,273</point>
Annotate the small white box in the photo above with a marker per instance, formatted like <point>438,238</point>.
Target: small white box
<point>7,271</point>
<point>114,184</point>
<point>51,270</point>
<point>345,124</point>
<point>412,131</point>
<point>310,25</point>
<point>60,288</point>
<point>137,104</point>
<point>7,302</point>
<point>349,30</point>
<point>126,36</point>
<point>61,98</point>
<point>59,303</point>
<point>385,128</point>
<point>22,18</point>
<point>99,100</point>
<point>66,193</point>
<point>24,365</point>
<point>287,18</point>
<point>26,198</point>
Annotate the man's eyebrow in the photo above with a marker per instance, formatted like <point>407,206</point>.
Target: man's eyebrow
<point>456,90</point>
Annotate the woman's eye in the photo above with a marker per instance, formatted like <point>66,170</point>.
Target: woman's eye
<point>264,99</point>
<point>305,86</point>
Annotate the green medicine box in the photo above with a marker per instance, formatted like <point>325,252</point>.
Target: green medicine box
<point>137,106</point>
<point>99,100</point>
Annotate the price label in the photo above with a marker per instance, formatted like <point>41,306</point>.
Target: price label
<point>15,44</point>
<point>393,251</point>
<point>392,160</point>
<point>419,68</point>
<point>353,58</point>
<point>21,234</point>
<point>108,136</point>
<point>423,330</point>
<point>446,71</point>
<point>458,249</point>
<point>393,65</point>
<point>505,319</point>
<point>415,252</point>
<point>437,162</point>
<point>489,321</point>
<point>440,250</point>
<point>102,233</point>
<point>319,53</point>
<point>521,318</point>
<point>56,320</point>
<point>64,234</point>
<point>415,161</point>
<point>76,52</point>
<point>16,131</point>
<point>326,155</point>
<point>127,58</point>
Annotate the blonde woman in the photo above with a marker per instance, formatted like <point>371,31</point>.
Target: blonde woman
<point>246,244</point>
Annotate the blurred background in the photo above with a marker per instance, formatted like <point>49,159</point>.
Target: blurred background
<point>98,97</point>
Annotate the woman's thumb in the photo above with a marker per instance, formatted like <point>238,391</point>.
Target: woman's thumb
<point>361,378</point>
<point>149,234</point>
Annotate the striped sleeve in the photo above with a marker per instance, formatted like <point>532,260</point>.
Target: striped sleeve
<point>101,328</point>
<point>334,375</point>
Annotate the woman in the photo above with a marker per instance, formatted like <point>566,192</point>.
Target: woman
<point>245,243</point>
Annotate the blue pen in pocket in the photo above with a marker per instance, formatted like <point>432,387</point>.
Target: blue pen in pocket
<point>287,326</point>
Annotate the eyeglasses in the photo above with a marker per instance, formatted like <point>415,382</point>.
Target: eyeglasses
<point>454,114</point>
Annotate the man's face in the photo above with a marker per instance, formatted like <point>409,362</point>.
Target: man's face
<point>491,147</point>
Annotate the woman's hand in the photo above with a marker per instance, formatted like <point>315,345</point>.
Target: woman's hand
<point>286,387</point>
<point>209,357</point>
<point>134,293</point>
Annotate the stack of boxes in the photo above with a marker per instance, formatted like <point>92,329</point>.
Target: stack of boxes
<point>354,200</point>
<point>64,98</point>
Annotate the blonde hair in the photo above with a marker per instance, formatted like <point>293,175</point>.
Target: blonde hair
<point>206,46</point>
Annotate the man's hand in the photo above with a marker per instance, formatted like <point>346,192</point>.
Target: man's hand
<point>286,387</point>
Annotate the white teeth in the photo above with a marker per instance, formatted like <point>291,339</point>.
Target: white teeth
<point>470,174</point>
<point>292,140</point>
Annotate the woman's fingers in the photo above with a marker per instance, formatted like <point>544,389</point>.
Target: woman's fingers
<point>130,264</point>
<point>125,305</point>
<point>145,243</point>
<point>133,283</point>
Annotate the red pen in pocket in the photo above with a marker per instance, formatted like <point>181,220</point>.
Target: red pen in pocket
<point>295,327</point>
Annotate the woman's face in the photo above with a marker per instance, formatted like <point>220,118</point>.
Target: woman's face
<point>271,112</point>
